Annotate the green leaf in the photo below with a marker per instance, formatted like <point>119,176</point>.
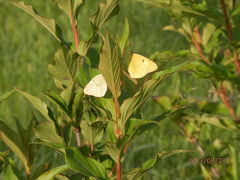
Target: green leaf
<point>77,4</point>
<point>110,65</point>
<point>92,133</point>
<point>66,7</point>
<point>39,105</point>
<point>221,122</point>
<point>113,151</point>
<point>138,173</point>
<point>235,163</point>
<point>105,11</point>
<point>59,101</point>
<point>130,105</point>
<point>164,102</point>
<point>205,173</point>
<point>77,107</point>
<point>122,42</point>
<point>6,95</point>
<point>10,175</point>
<point>49,175</point>
<point>47,132</point>
<point>12,139</point>
<point>85,165</point>
<point>169,71</point>
<point>48,23</point>
<point>65,67</point>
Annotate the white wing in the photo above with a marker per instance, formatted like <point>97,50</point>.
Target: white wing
<point>96,87</point>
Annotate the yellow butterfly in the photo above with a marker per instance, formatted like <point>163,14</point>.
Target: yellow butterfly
<point>96,87</point>
<point>140,66</point>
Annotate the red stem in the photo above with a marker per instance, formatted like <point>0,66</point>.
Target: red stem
<point>117,112</point>
<point>230,35</point>
<point>198,35</point>
<point>119,170</point>
<point>112,171</point>
<point>198,48</point>
<point>223,94</point>
<point>74,27</point>
<point>228,25</point>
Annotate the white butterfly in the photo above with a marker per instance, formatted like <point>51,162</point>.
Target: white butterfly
<point>96,87</point>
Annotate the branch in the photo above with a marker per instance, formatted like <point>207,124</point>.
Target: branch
<point>74,28</point>
<point>77,133</point>
<point>198,48</point>
<point>194,141</point>
<point>119,170</point>
<point>117,113</point>
<point>230,35</point>
<point>198,35</point>
<point>223,94</point>
<point>228,25</point>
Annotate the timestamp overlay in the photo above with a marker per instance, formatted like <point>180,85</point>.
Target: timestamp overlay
<point>207,160</point>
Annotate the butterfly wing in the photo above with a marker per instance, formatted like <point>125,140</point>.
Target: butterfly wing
<point>140,66</point>
<point>96,87</point>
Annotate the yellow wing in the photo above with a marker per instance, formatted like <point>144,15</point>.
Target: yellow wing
<point>140,66</point>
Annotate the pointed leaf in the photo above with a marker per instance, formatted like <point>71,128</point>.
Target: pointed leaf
<point>130,105</point>
<point>58,100</point>
<point>6,95</point>
<point>138,173</point>
<point>12,139</point>
<point>93,132</point>
<point>124,38</point>
<point>85,165</point>
<point>110,65</point>
<point>49,175</point>
<point>46,132</point>
<point>65,67</point>
<point>105,10</point>
<point>38,104</point>
<point>10,175</point>
<point>48,23</point>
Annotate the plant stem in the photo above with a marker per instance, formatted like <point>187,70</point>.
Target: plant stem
<point>78,137</point>
<point>198,35</point>
<point>119,170</point>
<point>230,35</point>
<point>228,25</point>
<point>117,113</point>
<point>74,27</point>
<point>223,94</point>
<point>198,48</point>
<point>112,171</point>
<point>194,141</point>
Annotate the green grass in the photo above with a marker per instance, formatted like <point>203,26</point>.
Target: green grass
<point>26,49</point>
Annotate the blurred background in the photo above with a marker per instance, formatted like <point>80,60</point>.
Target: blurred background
<point>26,49</point>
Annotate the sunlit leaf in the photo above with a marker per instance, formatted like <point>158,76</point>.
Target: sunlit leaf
<point>10,175</point>
<point>12,139</point>
<point>49,175</point>
<point>123,40</point>
<point>130,105</point>
<point>65,66</point>
<point>48,23</point>
<point>110,65</point>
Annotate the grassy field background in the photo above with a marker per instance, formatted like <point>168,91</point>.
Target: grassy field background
<point>26,48</point>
